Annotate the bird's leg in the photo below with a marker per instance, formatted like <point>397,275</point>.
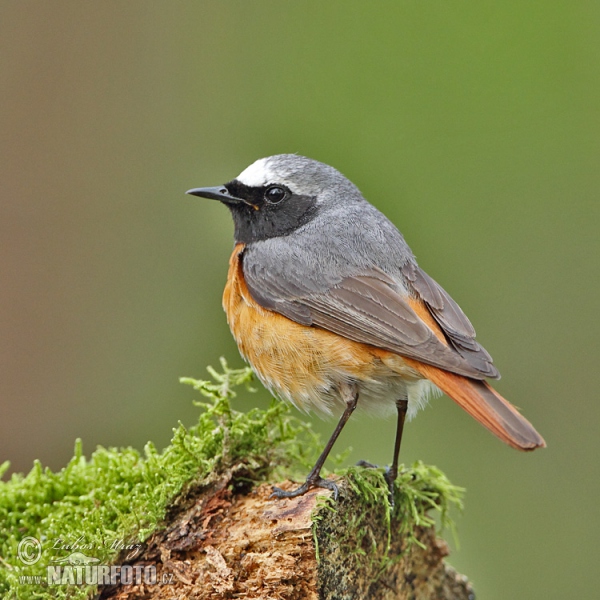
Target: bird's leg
<point>392,472</point>
<point>314,479</point>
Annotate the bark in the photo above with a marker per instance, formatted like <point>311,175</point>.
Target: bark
<point>219,543</point>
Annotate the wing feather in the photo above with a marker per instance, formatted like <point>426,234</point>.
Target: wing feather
<point>372,307</point>
<point>451,319</point>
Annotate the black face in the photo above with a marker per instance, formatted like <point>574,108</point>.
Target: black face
<point>267,211</point>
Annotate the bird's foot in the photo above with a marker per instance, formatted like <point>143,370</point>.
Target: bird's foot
<point>366,464</point>
<point>307,485</point>
<point>390,478</point>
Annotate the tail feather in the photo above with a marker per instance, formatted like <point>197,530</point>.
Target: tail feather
<point>485,405</point>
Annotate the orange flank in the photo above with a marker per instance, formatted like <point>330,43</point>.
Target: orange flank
<point>296,362</point>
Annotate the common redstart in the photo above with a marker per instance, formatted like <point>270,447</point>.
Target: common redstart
<point>328,305</point>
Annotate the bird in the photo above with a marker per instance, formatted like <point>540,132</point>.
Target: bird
<point>328,305</point>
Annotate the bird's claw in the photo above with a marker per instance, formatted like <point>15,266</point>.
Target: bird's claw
<point>366,464</point>
<point>307,485</point>
<point>390,478</point>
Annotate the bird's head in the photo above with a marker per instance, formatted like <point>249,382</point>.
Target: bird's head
<point>276,195</point>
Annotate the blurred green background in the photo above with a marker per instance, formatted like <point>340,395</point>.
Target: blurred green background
<point>474,126</point>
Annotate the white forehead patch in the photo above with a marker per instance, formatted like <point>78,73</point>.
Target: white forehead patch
<point>257,174</point>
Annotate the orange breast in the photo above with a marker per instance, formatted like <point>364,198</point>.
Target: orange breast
<point>304,365</point>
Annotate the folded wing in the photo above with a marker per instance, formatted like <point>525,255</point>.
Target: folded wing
<point>373,308</point>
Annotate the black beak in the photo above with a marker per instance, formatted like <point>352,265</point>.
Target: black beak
<point>219,192</point>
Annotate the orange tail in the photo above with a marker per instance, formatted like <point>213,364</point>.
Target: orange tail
<point>485,405</point>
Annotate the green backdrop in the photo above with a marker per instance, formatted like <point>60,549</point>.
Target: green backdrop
<point>473,125</point>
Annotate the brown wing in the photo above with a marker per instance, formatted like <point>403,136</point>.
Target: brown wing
<point>370,308</point>
<point>452,320</point>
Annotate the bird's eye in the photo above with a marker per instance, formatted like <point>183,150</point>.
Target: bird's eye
<point>275,194</point>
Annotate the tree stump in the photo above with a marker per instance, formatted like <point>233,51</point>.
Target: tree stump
<point>228,540</point>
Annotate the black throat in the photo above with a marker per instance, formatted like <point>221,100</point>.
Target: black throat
<point>258,219</point>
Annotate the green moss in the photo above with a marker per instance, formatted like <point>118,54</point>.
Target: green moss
<point>122,495</point>
<point>359,538</point>
<point>420,493</point>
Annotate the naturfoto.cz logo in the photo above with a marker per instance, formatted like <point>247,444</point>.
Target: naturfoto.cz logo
<point>78,568</point>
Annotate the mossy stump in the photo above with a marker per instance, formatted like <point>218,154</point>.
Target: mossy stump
<point>199,516</point>
<point>248,545</point>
